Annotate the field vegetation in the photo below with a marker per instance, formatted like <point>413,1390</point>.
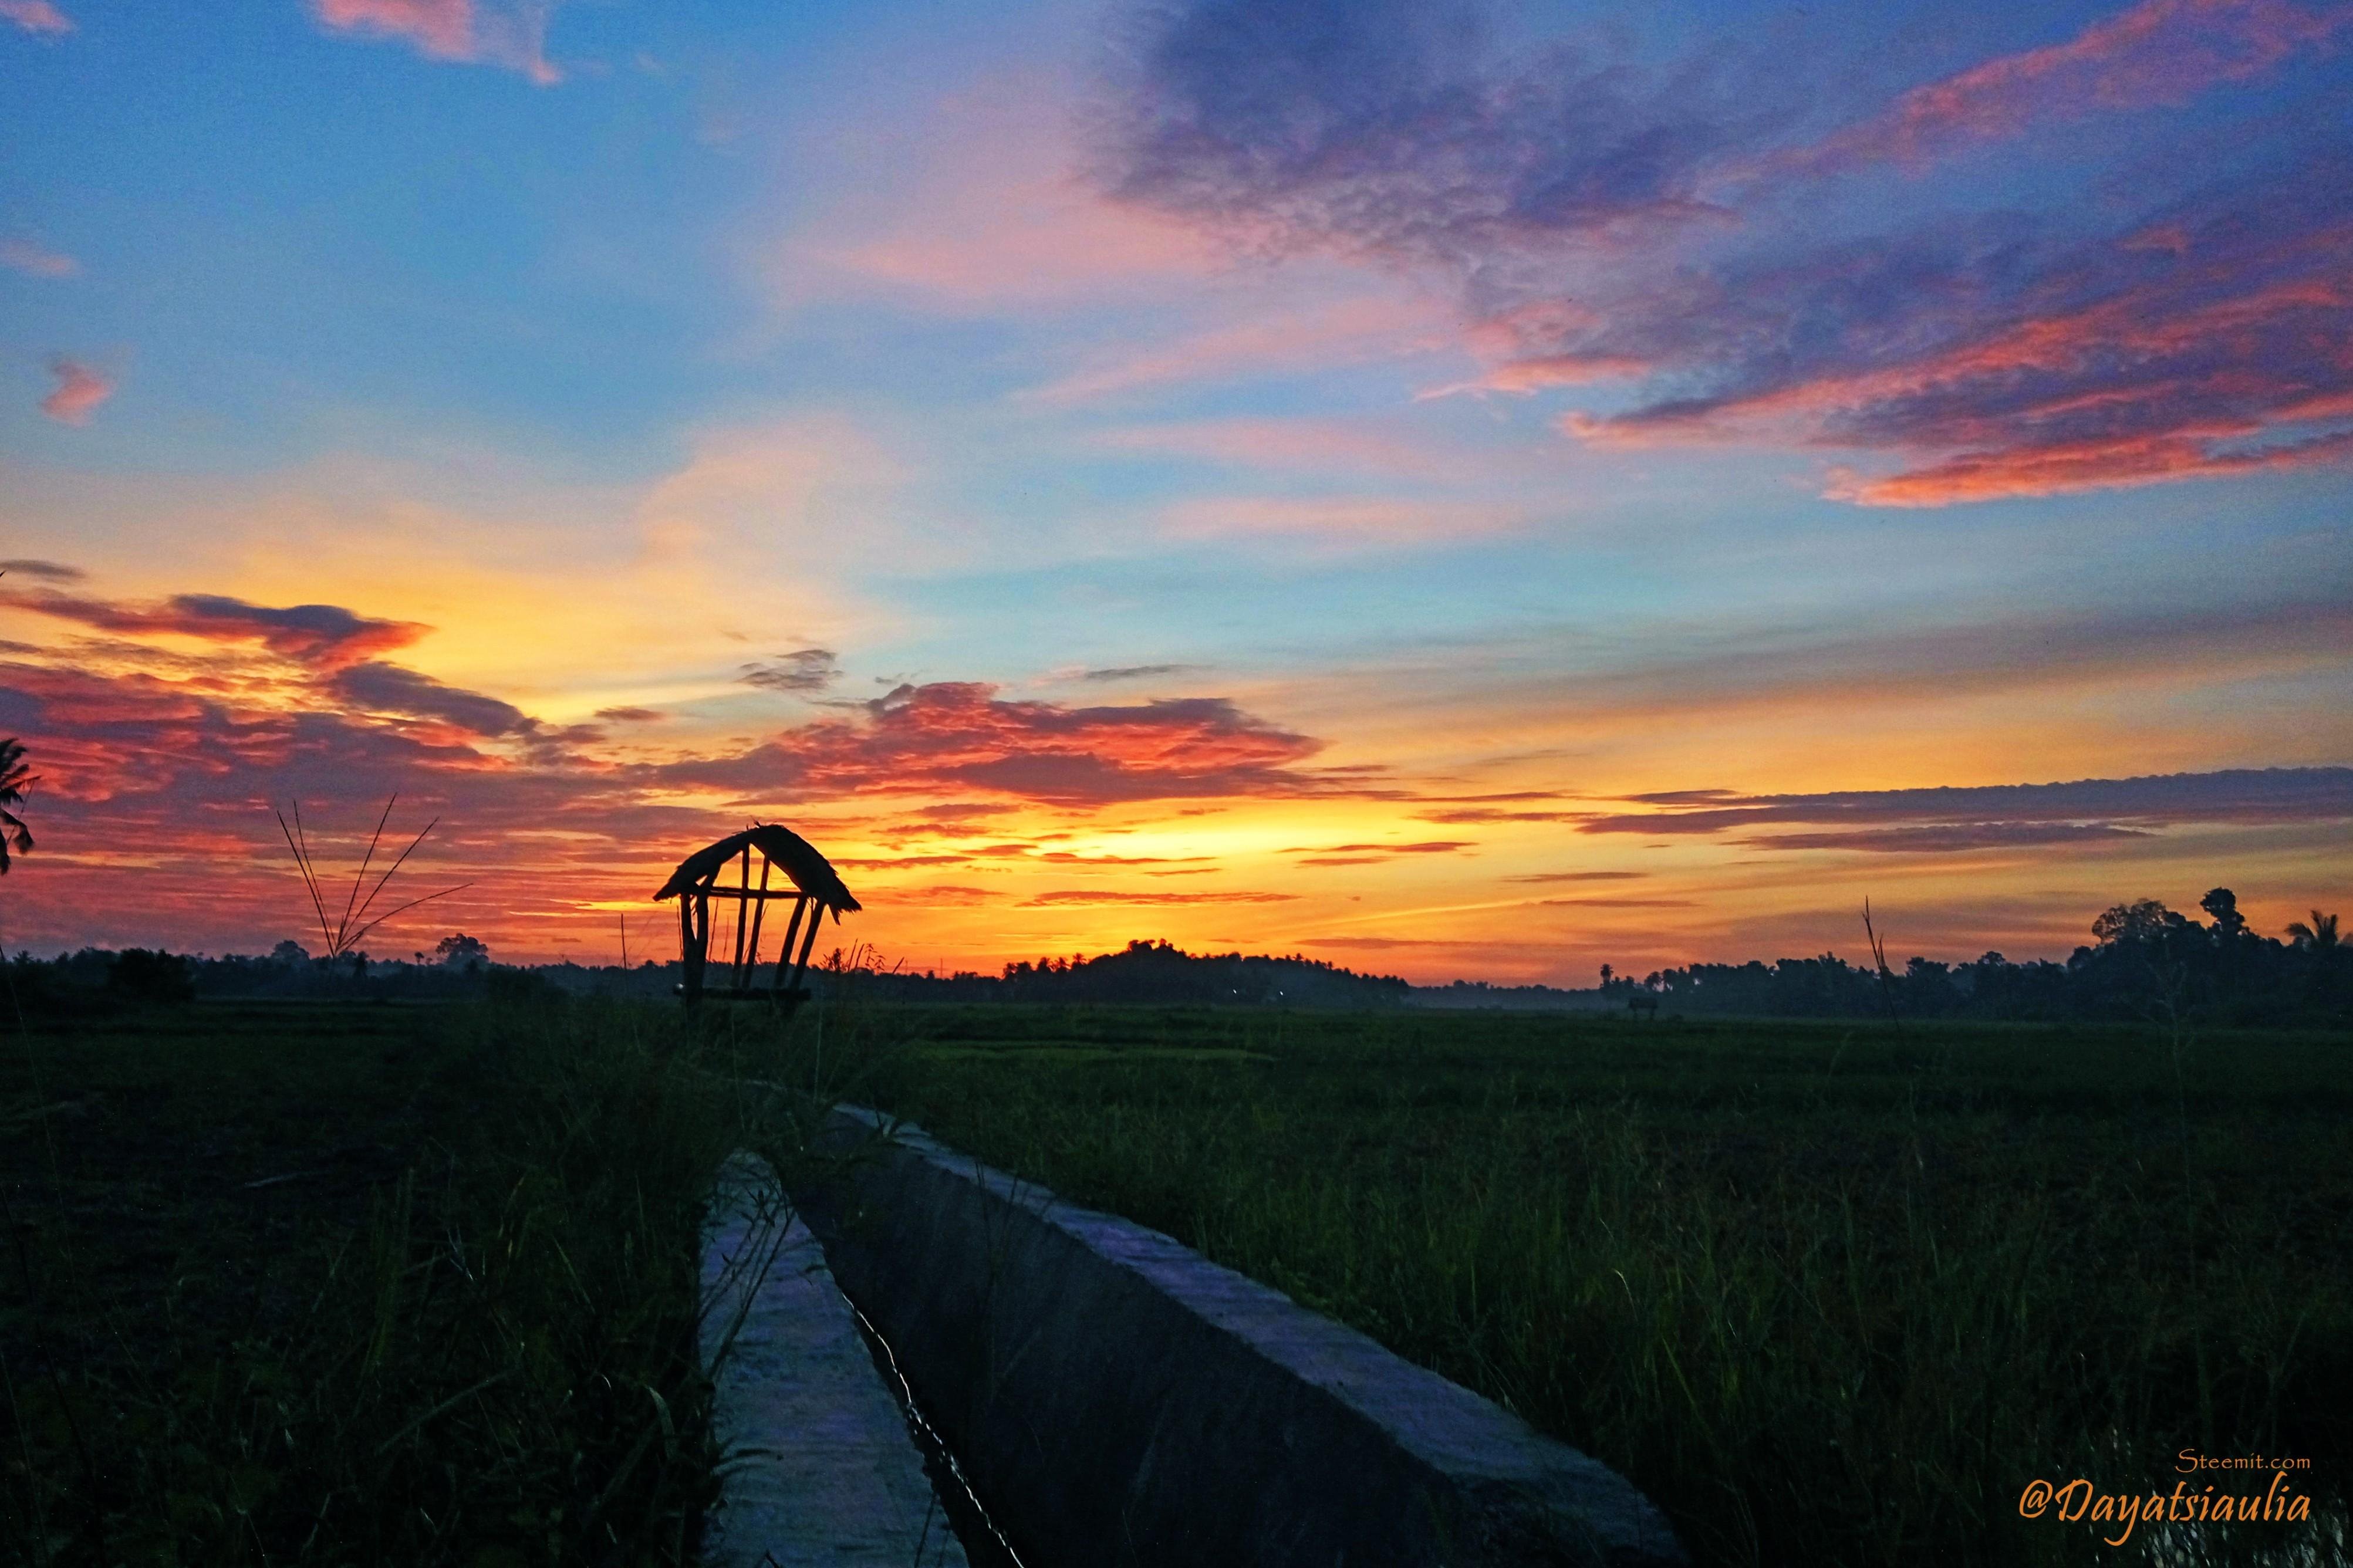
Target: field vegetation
<point>373,1283</point>
<point>1830,1293</point>
<point>294,1284</point>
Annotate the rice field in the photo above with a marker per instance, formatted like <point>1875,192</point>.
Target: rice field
<point>321,1283</point>
<point>1830,1293</point>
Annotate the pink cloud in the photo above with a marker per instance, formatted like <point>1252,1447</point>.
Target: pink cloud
<point>2159,52</point>
<point>1042,238</point>
<point>1979,354</point>
<point>1309,446</point>
<point>2080,465</point>
<point>79,391</point>
<point>37,16</point>
<point>40,261</point>
<point>1365,518</point>
<point>2211,345</point>
<point>1520,377</point>
<point>978,202</point>
<point>454,30</point>
<point>1349,331</point>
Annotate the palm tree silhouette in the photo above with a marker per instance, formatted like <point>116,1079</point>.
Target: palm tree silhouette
<point>2319,935</point>
<point>16,778</point>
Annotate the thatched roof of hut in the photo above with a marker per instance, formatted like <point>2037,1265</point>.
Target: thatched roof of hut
<point>795,856</point>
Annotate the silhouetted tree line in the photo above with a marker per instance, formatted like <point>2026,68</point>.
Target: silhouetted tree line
<point>1148,972</point>
<point>2144,961</point>
<point>95,979</point>
<point>459,967</point>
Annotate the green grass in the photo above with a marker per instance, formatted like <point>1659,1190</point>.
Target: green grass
<point>353,1284</point>
<point>1829,1294</point>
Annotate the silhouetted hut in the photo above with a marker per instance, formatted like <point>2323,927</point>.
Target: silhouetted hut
<point>815,889</point>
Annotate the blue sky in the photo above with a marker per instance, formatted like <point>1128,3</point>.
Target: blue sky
<point>1287,421</point>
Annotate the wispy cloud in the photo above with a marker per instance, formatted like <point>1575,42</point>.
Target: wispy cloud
<point>1331,447</point>
<point>1965,357</point>
<point>376,688</point>
<point>325,635</point>
<point>1107,895</point>
<point>1375,127</point>
<point>2207,339</point>
<point>1579,877</point>
<point>1950,838</point>
<point>2157,53</point>
<point>1468,815</point>
<point>974,204</point>
<point>937,893</point>
<point>1365,854</point>
<point>78,392</point>
<point>1693,671</point>
<point>962,735</point>
<point>1617,903</point>
<point>1285,340</point>
<point>37,16</point>
<point>1340,519</point>
<point>39,260</point>
<point>513,37</point>
<point>48,571</point>
<point>1950,819</point>
<point>801,672</point>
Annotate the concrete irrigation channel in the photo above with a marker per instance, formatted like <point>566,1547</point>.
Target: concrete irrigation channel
<point>1114,1400</point>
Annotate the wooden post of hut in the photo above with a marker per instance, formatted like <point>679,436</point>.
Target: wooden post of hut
<point>815,889</point>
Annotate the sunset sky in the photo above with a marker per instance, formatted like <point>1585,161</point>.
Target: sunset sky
<point>1451,490</point>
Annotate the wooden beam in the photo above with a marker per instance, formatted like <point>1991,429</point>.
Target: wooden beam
<point>817,919</point>
<point>784,953</point>
<point>759,911</point>
<point>736,969</point>
<point>693,941</point>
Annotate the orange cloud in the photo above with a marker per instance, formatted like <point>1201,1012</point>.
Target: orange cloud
<point>79,391</point>
<point>961,735</point>
<point>325,635</point>
<point>1107,895</point>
